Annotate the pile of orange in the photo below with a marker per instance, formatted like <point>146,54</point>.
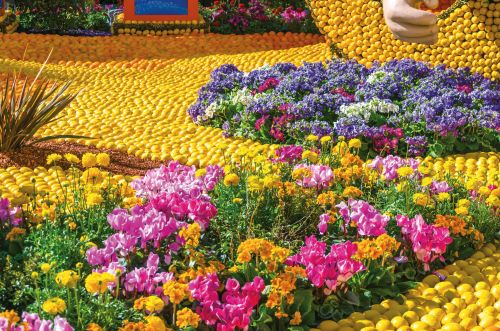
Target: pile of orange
<point>468,36</point>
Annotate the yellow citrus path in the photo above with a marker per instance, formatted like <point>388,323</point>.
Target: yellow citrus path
<point>136,90</point>
<point>467,300</point>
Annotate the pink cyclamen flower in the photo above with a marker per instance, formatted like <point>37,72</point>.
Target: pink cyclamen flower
<point>389,165</point>
<point>368,220</point>
<point>321,176</point>
<point>428,242</point>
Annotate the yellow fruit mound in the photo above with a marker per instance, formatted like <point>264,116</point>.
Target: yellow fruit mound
<point>469,36</point>
<point>144,112</point>
<point>467,300</point>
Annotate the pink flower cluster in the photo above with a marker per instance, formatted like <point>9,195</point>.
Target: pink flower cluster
<point>389,165</point>
<point>330,269</point>
<point>35,323</point>
<point>344,93</point>
<point>291,15</point>
<point>321,176</point>
<point>289,154</point>
<point>9,214</point>
<point>368,220</point>
<point>269,83</point>
<point>234,309</point>
<point>177,178</point>
<point>324,220</point>
<point>176,196</point>
<point>440,187</point>
<point>428,242</point>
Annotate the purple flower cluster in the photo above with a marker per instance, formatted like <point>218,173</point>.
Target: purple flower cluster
<point>175,197</point>
<point>421,106</point>
<point>8,214</point>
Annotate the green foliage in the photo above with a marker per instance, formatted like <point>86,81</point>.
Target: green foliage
<point>27,106</point>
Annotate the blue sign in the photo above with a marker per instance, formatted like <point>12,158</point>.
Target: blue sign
<point>1,4</point>
<point>160,7</point>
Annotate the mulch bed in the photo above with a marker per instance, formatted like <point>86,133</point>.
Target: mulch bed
<point>36,155</point>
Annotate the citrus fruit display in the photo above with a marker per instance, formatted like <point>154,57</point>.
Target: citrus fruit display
<point>145,28</point>
<point>465,297</point>
<point>468,34</point>
<point>122,103</point>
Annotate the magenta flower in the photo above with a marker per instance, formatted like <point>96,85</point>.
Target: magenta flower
<point>35,323</point>
<point>324,219</point>
<point>440,187</point>
<point>428,242</point>
<point>234,309</point>
<point>330,269</point>
<point>368,220</point>
<point>321,176</point>
<point>289,154</point>
<point>389,165</point>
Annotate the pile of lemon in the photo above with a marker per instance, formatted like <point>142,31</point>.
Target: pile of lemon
<point>158,28</point>
<point>20,184</point>
<point>467,37</point>
<point>467,300</point>
<point>144,112</point>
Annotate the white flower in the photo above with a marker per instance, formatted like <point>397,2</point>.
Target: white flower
<point>377,76</point>
<point>242,96</point>
<point>360,109</point>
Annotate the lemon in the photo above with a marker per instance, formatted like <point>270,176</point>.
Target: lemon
<point>384,325</point>
<point>420,326</point>
<point>463,288</point>
<point>398,322</point>
<point>450,318</point>
<point>328,326</point>
<point>431,280</point>
<point>452,327</point>
<point>487,321</point>
<point>431,320</point>
<point>346,328</point>
<point>372,315</point>
<point>411,316</point>
<point>360,324</point>
<point>468,323</point>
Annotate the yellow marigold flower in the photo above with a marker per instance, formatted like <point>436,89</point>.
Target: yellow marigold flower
<point>355,143</point>
<point>484,191</point>
<point>242,151</point>
<point>310,155</point>
<point>187,318</point>
<point>175,291</point>
<point>271,181</point>
<point>200,172</point>
<point>462,211</point>
<point>402,186</point>
<point>328,198</point>
<point>352,192</point>
<point>97,283</point>
<point>15,233</point>
<point>405,171</point>
<point>35,275</point>
<point>93,327</point>
<point>426,181</point>
<point>463,203</point>
<point>423,170</point>
<point>443,196</point>
<point>237,200</point>
<point>67,278</point>
<point>45,267</point>
<point>325,139</point>
<point>234,268</point>
<point>103,159</point>
<point>53,158</point>
<point>493,201</point>
<point>54,306</point>
<point>71,158</point>
<point>340,148</point>
<point>297,318</point>
<point>94,199</point>
<point>92,176</point>
<point>154,304</point>
<point>231,179</point>
<point>191,234</point>
<point>140,303</point>
<point>89,160</point>
<point>301,173</point>
<point>421,199</point>
<point>72,225</point>
<point>254,183</point>
<point>472,184</point>
<point>312,137</point>
<point>79,265</point>
<point>156,323</point>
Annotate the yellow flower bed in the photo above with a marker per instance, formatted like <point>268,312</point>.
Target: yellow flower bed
<point>467,300</point>
<point>468,37</point>
<point>143,112</point>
